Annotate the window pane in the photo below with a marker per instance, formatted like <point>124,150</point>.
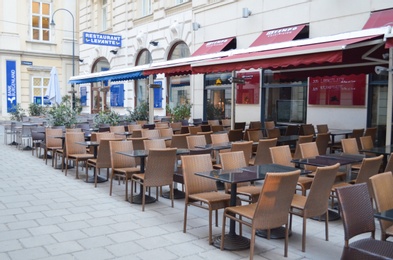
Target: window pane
<point>37,82</point>
<point>45,22</point>
<point>45,9</point>
<point>36,21</point>
<point>45,35</point>
<point>36,34</point>
<point>36,8</point>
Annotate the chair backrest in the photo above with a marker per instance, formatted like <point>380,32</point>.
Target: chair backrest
<point>322,142</point>
<point>104,154</point>
<point>160,167</point>
<point>226,122</point>
<point>153,133</point>
<point>308,150</point>
<point>131,128</point>
<point>235,135</point>
<point>154,144</point>
<point>322,129</point>
<point>269,125</point>
<point>371,131</point>
<point>240,125</point>
<point>318,196</point>
<point>219,138</point>
<point>245,147</point>
<point>263,152</point>
<point>383,194</point>
<point>273,132</point>
<point>356,210</point>
<point>275,199</point>
<point>307,129</point>
<point>292,130</point>
<point>217,128</point>
<point>281,155</point>
<point>166,132</point>
<point>197,121</point>
<point>233,160</point>
<point>389,164</point>
<point>137,133</point>
<point>193,130</point>
<point>179,141</point>
<point>119,160</point>
<point>117,129</point>
<point>207,136</point>
<point>302,139</point>
<point>194,140</point>
<point>71,146</point>
<point>175,125</point>
<point>197,184</point>
<point>366,142</point>
<point>213,122</point>
<point>50,140</point>
<point>38,133</point>
<point>255,135</point>
<point>357,133</point>
<point>137,142</point>
<point>255,125</point>
<point>206,128</point>
<point>105,135</point>
<point>350,146</point>
<point>69,130</point>
<point>368,168</point>
<point>161,125</point>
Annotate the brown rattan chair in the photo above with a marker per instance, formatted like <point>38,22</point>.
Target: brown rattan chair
<point>217,128</point>
<point>255,125</point>
<point>117,129</point>
<point>389,164</point>
<point>201,192</point>
<point>103,159</point>
<point>269,125</point>
<point>273,132</point>
<point>246,147</point>
<point>213,122</point>
<point>322,141</point>
<point>254,135</point>
<point>154,144</point>
<point>151,134</point>
<point>166,132</point>
<point>179,141</point>
<point>382,186</point>
<point>357,133</point>
<point>235,135</point>
<point>282,155</point>
<point>358,218</point>
<point>207,136</point>
<point>307,129</point>
<point>219,138</point>
<point>350,146</point>
<point>193,130</point>
<point>271,210</point>
<point>122,166</point>
<point>131,128</point>
<point>322,129</point>
<point>292,130</point>
<point>75,152</point>
<point>194,140</point>
<point>367,143</point>
<point>263,152</point>
<point>317,201</point>
<point>234,160</point>
<point>371,131</point>
<point>226,123</point>
<point>176,126</point>
<point>158,173</point>
<point>240,125</point>
<point>302,139</point>
<point>52,144</point>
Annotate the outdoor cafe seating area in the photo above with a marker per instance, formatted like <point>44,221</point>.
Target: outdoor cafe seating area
<point>258,177</point>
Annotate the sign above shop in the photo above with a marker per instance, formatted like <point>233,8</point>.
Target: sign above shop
<point>102,39</point>
<point>29,63</point>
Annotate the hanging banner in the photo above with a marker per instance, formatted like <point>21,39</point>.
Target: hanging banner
<point>11,85</point>
<point>102,39</point>
<point>158,95</point>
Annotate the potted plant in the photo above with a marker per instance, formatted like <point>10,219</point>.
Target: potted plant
<point>17,113</point>
<point>104,118</point>
<point>140,113</point>
<point>36,110</point>
<point>62,114</point>
<point>180,112</point>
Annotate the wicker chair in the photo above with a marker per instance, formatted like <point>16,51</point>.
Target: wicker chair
<point>271,210</point>
<point>201,192</point>
<point>358,218</point>
<point>179,141</point>
<point>234,160</point>
<point>292,130</point>
<point>263,152</point>
<point>273,132</point>
<point>122,166</point>
<point>282,155</point>
<point>307,129</point>
<point>245,147</point>
<point>158,173</point>
<point>255,125</point>
<point>74,151</point>
<point>154,144</point>
<point>383,196</point>
<point>367,143</point>
<point>166,132</point>
<point>153,133</point>
<point>269,125</point>
<point>207,136</point>
<point>131,128</point>
<point>194,140</point>
<point>371,131</point>
<point>389,164</point>
<point>213,122</point>
<point>317,201</point>
<point>357,133</point>
<point>235,135</point>
<point>322,129</point>
<point>193,130</point>
<point>176,126</point>
<point>117,129</point>
<point>350,146</point>
<point>103,159</point>
<point>302,139</point>
<point>254,135</point>
<point>52,144</point>
<point>322,142</point>
<point>219,138</point>
<point>217,128</point>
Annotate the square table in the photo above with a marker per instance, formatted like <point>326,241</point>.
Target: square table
<point>385,150</point>
<point>335,132</point>
<point>233,177</point>
<point>385,215</point>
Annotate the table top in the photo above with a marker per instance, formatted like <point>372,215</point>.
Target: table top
<point>287,138</point>
<point>89,143</point>
<point>340,131</point>
<point>145,153</point>
<point>331,159</point>
<point>386,215</point>
<point>249,173</point>
<point>385,150</point>
<point>220,146</point>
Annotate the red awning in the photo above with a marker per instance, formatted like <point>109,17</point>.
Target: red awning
<point>213,46</point>
<point>278,35</point>
<point>344,51</point>
<point>380,19</point>
<point>389,43</point>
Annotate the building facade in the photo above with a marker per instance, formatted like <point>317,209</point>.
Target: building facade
<point>30,47</point>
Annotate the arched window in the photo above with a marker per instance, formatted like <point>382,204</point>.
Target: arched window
<point>100,89</point>
<point>179,90</point>
<point>141,91</point>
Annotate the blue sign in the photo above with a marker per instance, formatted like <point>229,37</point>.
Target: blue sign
<point>117,95</point>
<point>29,63</point>
<point>102,39</point>
<point>158,95</point>
<point>11,85</point>
<point>83,91</point>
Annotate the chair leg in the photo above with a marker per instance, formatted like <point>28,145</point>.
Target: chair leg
<point>210,225</point>
<point>252,243</point>
<point>111,184</point>
<point>132,191</point>
<point>286,240</point>
<point>172,194</point>
<point>327,225</point>
<point>126,182</point>
<point>304,234</point>
<point>290,221</point>
<point>223,230</point>
<point>185,217</point>
<point>143,198</point>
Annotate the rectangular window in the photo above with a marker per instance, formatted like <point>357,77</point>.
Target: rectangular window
<point>146,7</point>
<point>39,87</point>
<point>40,20</point>
<point>104,15</point>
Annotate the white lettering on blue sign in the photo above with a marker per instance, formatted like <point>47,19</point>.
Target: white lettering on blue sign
<point>102,39</point>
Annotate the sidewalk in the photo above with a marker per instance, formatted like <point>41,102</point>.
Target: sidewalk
<point>46,215</point>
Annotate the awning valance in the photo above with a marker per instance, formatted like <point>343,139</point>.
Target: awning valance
<point>278,35</point>
<point>380,19</point>
<point>216,46</point>
<point>112,75</point>
<point>344,49</point>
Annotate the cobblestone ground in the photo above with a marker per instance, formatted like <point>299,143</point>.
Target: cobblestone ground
<point>47,215</point>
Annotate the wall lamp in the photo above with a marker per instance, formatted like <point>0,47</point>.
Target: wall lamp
<point>114,51</point>
<point>154,43</point>
<point>195,26</point>
<point>382,70</point>
<point>80,60</point>
<point>246,13</point>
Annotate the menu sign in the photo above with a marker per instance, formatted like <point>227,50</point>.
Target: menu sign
<point>345,90</point>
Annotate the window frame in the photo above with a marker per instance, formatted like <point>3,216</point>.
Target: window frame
<point>42,87</point>
<point>41,30</point>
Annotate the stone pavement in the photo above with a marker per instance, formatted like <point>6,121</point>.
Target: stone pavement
<point>46,215</point>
